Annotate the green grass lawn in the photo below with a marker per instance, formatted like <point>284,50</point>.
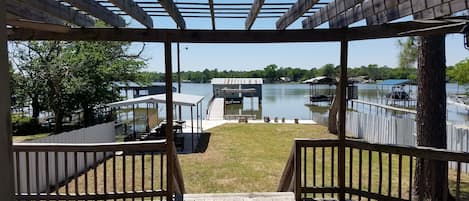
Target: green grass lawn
<point>244,157</point>
<point>29,137</point>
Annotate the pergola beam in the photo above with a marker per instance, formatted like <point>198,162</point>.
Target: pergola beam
<point>16,21</point>
<point>382,11</point>
<point>212,13</point>
<point>240,36</point>
<point>173,11</point>
<point>336,8</point>
<point>58,10</point>
<point>97,10</point>
<point>24,11</point>
<point>256,7</point>
<point>420,9</point>
<point>134,11</point>
<point>295,12</point>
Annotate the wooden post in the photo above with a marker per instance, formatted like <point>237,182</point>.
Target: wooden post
<point>179,79</point>
<point>431,176</point>
<point>342,112</point>
<point>297,179</point>
<point>169,121</point>
<point>6,154</point>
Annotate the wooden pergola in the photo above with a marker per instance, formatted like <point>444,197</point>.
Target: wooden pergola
<point>74,20</point>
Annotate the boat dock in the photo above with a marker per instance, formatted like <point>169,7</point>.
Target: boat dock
<point>384,106</point>
<point>216,109</point>
<point>462,105</point>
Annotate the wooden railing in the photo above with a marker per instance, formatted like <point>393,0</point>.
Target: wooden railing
<point>94,171</point>
<point>372,171</point>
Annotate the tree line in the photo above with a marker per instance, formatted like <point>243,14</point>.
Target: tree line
<point>272,73</point>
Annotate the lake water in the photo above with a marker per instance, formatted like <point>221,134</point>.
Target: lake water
<point>288,101</point>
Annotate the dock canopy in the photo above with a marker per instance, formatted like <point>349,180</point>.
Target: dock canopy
<point>320,80</point>
<point>395,82</point>
<point>178,99</point>
<point>236,81</point>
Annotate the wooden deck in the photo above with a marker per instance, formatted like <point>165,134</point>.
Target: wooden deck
<point>269,196</point>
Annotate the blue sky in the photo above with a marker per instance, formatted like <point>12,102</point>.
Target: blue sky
<point>257,56</point>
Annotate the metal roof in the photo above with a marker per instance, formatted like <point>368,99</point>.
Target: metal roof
<point>395,82</point>
<point>136,85</point>
<point>236,81</point>
<point>178,99</point>
<point>320,80</point>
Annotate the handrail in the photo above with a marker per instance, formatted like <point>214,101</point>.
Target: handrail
<point>47,171</point>
<point>419,151</point>
<point>286,181</point>
<point>373,171</point>
<point>178,176</point>
<point>155,145</point>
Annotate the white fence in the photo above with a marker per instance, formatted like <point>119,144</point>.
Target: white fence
<point>380,129</point>
<point>60,165</point>
<point>393,130</point>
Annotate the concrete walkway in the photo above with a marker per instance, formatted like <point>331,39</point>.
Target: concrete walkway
<point>269,196</point>
<point>208,124</point>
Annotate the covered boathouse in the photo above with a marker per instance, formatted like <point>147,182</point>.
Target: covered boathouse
<point>233,90</point>
<point>74,20</point>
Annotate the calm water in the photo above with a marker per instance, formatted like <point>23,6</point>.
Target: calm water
<point>288,101</point>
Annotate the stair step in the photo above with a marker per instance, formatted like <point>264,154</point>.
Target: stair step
<point>263,196</point>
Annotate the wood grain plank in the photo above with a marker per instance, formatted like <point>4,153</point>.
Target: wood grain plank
<point>134,11</point>
<point>458,5</point>
<point>236,36</point>
<point>212,13</point>
<point>97,10</point>
<point>25,11</point>
<point>383,11</point>
<point>295,12</point>
<point>173,11</point>
<point>255,8</point>
<point>58,10</point>
<point>15,21</point>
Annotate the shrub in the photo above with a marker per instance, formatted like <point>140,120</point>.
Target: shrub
<point>25,125</point>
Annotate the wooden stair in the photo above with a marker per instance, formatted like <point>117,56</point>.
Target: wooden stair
<point>266,196</point>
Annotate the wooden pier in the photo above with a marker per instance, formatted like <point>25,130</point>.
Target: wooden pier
<point>384,106</point>
<point>216,109</point>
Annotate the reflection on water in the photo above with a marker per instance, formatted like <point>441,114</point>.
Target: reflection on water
<point>288,101</point>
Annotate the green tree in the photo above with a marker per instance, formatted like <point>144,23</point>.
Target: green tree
<point>36,65</point>
<point>460,72</point>
<point>95,66</point>
<point>65,76</point>
<point>408,52</point>
<point>328,70</point>
<point>270,72</point>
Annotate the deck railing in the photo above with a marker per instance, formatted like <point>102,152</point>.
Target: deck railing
<point>93,171</point>
<point>372,171</point>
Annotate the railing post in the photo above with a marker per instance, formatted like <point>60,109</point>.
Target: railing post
<point>297,179</point>
<point>342,112</point>
<point>169,122</point>
<point>6,153</point>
